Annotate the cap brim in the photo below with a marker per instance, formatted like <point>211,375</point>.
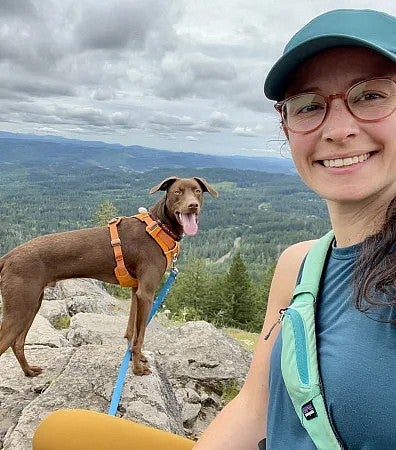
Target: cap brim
<point>279,76</point>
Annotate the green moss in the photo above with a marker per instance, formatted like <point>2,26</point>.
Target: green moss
<point>230,392</point>
<point>62,322</point>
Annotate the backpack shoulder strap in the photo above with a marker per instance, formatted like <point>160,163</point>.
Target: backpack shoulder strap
<point>313,266</point>
<point>299,360</point>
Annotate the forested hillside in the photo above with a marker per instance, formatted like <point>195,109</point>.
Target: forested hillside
<point>52,150</point>
<point>266,211</point>
<point>225,271</point>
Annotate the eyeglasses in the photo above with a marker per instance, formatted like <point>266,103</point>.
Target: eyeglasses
<point>368,101</point>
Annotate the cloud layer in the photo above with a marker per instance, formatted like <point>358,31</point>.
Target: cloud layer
<point>176,74</point>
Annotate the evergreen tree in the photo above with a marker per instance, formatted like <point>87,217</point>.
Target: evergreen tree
<point>188,295</point>
<point>262,291</point>
<point>105,212</point>
<point>241,308</point>
<point>216,304</point>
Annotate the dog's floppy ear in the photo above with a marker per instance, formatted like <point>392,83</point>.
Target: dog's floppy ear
<point>206,187</point>
<point>164,185</point>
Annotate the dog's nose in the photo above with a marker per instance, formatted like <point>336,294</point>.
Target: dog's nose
<point>193,205</point>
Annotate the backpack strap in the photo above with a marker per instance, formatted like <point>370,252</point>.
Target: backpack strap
<point>299,362</point>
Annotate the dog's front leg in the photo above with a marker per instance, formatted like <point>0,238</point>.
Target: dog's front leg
<point>131,327</point>
<point>130,333</point>
<point>142,301</point>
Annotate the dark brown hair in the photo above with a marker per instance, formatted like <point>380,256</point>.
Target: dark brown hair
<point>375,270</point>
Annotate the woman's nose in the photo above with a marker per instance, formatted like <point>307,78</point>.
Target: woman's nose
<point>339,123</point>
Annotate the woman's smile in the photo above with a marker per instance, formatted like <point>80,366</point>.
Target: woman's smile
<point>349,161</point>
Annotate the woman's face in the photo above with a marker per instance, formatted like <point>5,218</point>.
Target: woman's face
<point>342,136</point>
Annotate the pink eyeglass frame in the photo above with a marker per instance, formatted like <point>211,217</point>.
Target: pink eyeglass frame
<point>328,99</point>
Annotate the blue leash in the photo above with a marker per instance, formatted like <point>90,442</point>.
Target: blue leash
<point>115,399</point>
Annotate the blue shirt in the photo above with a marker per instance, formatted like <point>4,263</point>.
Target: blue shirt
<point>357,358</point>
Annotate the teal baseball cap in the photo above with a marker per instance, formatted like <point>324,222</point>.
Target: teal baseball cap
<point>340,27</point>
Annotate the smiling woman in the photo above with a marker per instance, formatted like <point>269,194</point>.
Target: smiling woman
<point>335,87</point>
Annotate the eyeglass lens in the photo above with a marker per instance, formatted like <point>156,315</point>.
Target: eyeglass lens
<point>369,100</point>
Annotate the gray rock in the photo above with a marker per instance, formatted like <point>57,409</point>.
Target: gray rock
<point>190,412</point>
<point>43,333</point>
<point>53,292</point>
<point>183,393</point>
<point>17,391</point>
<point>54,311</point>
<point>90,328</point>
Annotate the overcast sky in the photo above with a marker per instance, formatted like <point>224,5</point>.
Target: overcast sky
<point>172,74</point>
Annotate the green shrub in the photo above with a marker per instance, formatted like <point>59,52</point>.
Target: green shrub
<point>117,291</point>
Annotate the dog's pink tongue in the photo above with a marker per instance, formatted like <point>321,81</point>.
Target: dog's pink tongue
<point>190,225</point>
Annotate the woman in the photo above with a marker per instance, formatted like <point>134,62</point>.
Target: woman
<point>335,87</point>
<point>336,91</point>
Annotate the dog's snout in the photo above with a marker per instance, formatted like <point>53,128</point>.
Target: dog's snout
<point>193,205</point>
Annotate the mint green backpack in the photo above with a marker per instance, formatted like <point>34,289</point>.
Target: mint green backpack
<point>299,360</point>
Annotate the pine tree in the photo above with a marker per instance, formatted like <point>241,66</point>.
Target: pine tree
<point>187,298</point>
<point>105,212</point>
<point>241,308</point>
<point>216,303</point>
<point>262,291</point>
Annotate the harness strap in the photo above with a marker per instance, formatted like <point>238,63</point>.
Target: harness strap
<point>121,272</point>
<point>169,246</point>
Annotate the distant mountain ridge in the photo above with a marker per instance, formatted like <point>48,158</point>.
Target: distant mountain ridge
<point>27,149</point>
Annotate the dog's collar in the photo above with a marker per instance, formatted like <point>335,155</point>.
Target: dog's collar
<point>167,230</point>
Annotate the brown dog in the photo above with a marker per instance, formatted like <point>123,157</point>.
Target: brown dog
<point>87,253</point>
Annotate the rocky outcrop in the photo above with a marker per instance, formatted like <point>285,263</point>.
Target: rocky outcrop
<point>192,365</point>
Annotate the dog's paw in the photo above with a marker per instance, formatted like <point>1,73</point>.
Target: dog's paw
<point>141,370</point>
<point>33,371</point>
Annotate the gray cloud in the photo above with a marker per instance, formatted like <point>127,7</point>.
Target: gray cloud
<point>118,24</point>
<point>17,8</point>
<point>155,72</point>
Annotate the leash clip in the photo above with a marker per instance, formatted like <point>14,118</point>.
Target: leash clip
<point>174,259</point>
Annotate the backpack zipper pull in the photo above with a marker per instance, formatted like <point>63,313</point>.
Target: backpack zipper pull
<point>279,320</point>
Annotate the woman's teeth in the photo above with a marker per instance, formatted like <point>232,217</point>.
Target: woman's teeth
<point>345,161</point>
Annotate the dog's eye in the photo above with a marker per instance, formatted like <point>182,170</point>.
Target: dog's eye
<point>177,192</point>
<point>198,191</point>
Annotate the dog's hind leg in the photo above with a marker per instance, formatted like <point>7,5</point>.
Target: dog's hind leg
<point>19,310</point>
<point>18,347</point>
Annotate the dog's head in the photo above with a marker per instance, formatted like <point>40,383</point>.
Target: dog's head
<point>184,198</point>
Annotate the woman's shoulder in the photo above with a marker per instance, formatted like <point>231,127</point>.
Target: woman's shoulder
<point>286,274</point>
<point>291,258</point>
<point>299,248</point>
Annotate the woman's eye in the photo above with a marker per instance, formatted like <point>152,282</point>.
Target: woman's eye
<point>369,96</point>
<point>312,107</point>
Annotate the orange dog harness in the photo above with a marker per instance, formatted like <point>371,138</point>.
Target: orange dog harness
<point>169,246</point>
